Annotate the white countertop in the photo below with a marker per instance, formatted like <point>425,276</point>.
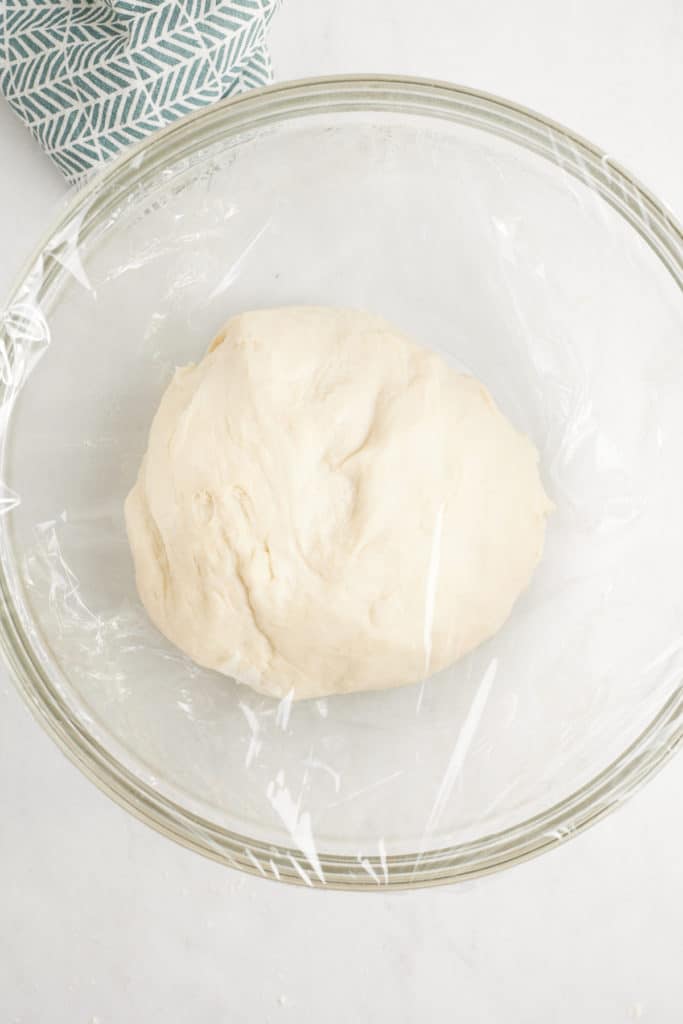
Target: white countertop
<point>102,920</point>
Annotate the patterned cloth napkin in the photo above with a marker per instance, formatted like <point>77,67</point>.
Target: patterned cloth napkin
<point>89,77</point>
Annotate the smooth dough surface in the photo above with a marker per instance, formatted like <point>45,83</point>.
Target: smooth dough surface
<point>326,507</point>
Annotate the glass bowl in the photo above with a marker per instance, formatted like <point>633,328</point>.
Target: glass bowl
<point>519,252</point>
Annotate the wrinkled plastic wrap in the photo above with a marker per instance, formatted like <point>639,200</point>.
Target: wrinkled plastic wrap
<point>548,276</point>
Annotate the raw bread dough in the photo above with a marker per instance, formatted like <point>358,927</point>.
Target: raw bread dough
<point>326,507</point>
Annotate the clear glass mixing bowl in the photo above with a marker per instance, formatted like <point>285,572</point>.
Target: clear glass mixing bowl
<point>501,240</point>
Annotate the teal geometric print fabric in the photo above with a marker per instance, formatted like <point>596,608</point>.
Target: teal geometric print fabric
<point>89,77</point>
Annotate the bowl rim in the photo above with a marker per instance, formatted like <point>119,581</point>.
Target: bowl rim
<point>275,103</point>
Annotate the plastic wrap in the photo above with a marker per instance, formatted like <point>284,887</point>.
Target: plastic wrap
<point>512,249</point>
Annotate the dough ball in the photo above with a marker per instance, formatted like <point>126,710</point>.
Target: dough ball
<point>326,507</point>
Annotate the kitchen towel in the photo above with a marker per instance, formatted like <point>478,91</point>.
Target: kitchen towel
<point>89,77</point>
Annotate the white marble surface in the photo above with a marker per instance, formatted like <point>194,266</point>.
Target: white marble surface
<point>102,920</point>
